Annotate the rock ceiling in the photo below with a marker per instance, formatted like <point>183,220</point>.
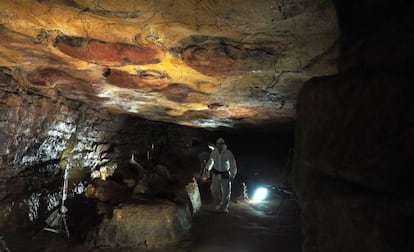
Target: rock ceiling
<point>203,63</point>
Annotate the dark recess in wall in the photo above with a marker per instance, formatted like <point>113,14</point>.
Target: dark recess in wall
<point>262,153</point>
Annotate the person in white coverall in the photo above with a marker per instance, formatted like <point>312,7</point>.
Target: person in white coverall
<point>223,169</point>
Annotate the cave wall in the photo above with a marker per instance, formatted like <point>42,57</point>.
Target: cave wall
<point>40,135</point>
<point>354,132</point>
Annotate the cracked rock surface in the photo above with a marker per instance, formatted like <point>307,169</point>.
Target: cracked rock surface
<point>196,63</point>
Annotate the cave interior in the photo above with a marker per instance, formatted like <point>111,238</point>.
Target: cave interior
<point>107,112</point>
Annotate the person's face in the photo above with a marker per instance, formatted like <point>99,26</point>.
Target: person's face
<point>219,146</point>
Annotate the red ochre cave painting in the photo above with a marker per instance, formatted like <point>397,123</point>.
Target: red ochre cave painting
<point>210,61</point>
<point>149,81</point>
<point>109,54</point>
<point>143,79</point>
<point>58,79</point>
<point>175,92</point>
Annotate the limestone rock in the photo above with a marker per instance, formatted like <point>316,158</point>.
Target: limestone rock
<point>145,225</point>
<point>193,192</point>
<point>196,63</point>
<point>107,191</point>
<point>356,194</point>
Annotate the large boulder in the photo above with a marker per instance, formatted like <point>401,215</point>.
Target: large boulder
<point>143,225</point>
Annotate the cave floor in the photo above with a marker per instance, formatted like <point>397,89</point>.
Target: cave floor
<point>274,226</point>
<point>271,226</point>
<point>246,229</point>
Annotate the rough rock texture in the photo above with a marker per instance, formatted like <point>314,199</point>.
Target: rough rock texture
<point>40,136</point>
<point>354,133</point>
<point>352,162</point>
<point>40,130</point>
<point>199,63</point>
<point>143,226</point>
<point>193,192</point>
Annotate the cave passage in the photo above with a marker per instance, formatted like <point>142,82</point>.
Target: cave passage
<point>94,154</point>
<point>146,192</point>
<point>143,193</point>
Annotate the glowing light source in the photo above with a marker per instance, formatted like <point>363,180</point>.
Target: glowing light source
<point>260,194</point>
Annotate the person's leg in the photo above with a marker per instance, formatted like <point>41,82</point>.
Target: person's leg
<point>201,169</point>
<point>215,189</point>
<point>226,190</point>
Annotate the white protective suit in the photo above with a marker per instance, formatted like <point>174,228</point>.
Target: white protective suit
<point>221,164</point>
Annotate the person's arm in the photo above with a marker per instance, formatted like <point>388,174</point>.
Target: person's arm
<point>210,162</point>
<point>233,166</point>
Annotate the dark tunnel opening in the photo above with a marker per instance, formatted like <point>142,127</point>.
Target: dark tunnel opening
<point>264,155</point>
